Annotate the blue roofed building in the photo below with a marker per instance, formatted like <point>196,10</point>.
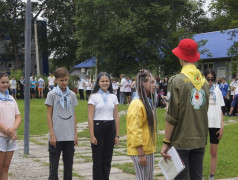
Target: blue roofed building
<point>84,68</point>
<point>215,54</point>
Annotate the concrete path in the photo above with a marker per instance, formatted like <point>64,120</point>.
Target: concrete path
<point>36,165</point>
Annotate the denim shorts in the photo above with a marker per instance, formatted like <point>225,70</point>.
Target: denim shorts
<point>234,101</point>
<point>7,144</point>
<point>14,91</point>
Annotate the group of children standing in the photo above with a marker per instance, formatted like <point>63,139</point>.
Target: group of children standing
<point>16,88</point>
<point>103,122</point>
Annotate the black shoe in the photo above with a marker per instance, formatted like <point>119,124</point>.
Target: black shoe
<point>228,115</point>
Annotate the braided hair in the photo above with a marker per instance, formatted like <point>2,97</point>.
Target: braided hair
<point>142,77</point>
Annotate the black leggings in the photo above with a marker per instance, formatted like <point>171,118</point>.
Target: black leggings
<point>67,147</point>
<point>104,131</point>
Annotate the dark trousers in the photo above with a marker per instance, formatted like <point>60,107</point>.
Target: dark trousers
<point>104,131</point>
<point>67,147</point>
<point>88,93</point>
<point>224,108</point>
<point>81,95</point>
<point>193,161</point>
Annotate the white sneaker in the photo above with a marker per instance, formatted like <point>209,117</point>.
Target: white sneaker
<point>212,178</point>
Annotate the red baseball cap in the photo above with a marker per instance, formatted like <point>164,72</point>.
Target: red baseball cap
<point>187,50</point>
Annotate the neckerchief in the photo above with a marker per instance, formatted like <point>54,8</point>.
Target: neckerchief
<point>5,97</point>
<point>194,75</point>
<point>222,85</point>
<point>104,95</point>
<point>213,93</point>
<point>22,82</point>
<point>63,95</point>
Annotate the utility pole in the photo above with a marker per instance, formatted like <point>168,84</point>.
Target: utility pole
<point>36,46</point>
<point>27,76</point>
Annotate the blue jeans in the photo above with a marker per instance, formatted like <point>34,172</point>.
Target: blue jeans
<point>193,161</point>
<point>234,101</point>
<point>122,97</point>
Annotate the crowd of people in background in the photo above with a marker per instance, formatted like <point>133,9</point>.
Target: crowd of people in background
<point>124,88</point>
<point>37,86</point>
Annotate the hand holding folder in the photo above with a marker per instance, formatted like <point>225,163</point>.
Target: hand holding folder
<point>172,167</point>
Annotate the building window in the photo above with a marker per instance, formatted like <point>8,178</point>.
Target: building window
<point>207,65</point>
<point>89,73</point>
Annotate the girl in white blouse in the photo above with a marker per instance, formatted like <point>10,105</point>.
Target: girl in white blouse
<point>215,119</point>
<point>103,122</point>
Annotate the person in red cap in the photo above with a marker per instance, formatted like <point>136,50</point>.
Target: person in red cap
<point>186,120</point>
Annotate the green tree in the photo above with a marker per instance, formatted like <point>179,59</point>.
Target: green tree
<point>226,17</point>
<point>225,13</point>
<point>61,42</point>
<point>12,20</point>
<point>126,35</point>
<point>11,28</point>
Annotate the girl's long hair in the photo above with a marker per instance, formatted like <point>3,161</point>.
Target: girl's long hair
<point>142,77</point>
<point>96,87</point>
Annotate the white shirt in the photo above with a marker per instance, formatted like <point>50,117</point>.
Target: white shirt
<point>123,85</point>
<point>13,83</point>
<point>51,80</point>
<point>31,78</point>
<point>235,84</point>
<point>103,111</point>
<point>81,82</point>
<point>88,85</point>
<point>231,85</point>
<point>214,110</point>
<point>41,83</point>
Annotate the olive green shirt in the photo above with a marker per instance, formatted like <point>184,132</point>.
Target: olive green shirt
<point>187,111</point>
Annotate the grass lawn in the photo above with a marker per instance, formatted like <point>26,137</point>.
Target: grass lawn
<point>38,121</point>
<point>227,153</point>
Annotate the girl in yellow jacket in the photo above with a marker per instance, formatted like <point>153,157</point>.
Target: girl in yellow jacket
<point>141,126</point>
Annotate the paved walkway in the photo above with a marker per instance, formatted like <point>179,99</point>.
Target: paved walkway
<point>35,166</point>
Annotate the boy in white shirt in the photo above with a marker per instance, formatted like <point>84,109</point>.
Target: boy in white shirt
<point>51,82</point>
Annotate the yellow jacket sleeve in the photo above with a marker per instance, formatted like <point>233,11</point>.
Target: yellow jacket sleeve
<point>134,125</point>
